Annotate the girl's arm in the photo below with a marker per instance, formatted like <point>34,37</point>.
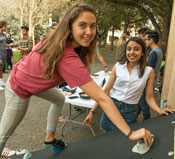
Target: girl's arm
<point>101,59</point>
<point>109,85</point>
<point>95,92</point>
<point>150,96</point>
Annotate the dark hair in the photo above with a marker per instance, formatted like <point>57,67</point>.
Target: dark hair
<point>25,27</point>
<point>142,30</point>
<point>152,34</point>
<point>127,33</point>
<point>2,23</point>
<point>143,59</point>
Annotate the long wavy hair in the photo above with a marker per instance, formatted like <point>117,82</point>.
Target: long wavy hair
<point>143,59</point>
<point>54,44</point>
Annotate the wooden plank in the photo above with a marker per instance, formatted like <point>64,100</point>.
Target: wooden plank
<point>169,76</point>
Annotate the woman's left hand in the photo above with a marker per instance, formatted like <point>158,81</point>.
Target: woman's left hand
<point>166,111</point>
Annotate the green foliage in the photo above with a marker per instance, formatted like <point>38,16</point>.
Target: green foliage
<point>16,55</point>
<point>13,27</point>
<point>43,9</point>
<point>117,14</point>
<point>158,12</point>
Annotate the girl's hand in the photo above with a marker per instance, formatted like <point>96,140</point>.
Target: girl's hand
<point>106,69</point>
<point>88,119</point>
<point>166,111</point>
<point>19,47</point>
<point>142,134</point>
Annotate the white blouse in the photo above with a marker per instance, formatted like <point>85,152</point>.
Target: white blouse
<point>128,88</point>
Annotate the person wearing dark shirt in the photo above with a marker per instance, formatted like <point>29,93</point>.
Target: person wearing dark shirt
<point>3,51</point>
<point>9,64</point>
<point>154,60</point>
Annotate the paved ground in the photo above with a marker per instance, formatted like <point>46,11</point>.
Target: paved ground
<point>31,131</point>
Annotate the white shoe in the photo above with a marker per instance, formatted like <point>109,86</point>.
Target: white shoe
<point>2,83</point>
<point>8,153</point>
<point>21,151</point>
<point>1,88</point>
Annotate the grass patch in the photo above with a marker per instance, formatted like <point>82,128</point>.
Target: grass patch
<point>16,55</point>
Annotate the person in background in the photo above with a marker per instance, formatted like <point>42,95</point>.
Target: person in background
<point>101,59</point>
<point>141,33</point>
<point>162,45</point>
<point>155,56</point>
<point>3,51</point>
<point>126,85</point>
<point>128,36</point>
<point>9,64</point>
<point>64,56</point>
<point>144,108</point>
<point>154,60</point>
<point>26,43</point>
<point>120,47</point>
<point>5,64</point>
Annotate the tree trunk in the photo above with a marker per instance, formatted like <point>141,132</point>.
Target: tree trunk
<point>125,27</point>
<point>142,9</point>
<point>112,39</point>
<point>31,25</point>
<point>165,33</point>
<point>99,38</point>
<point>100,42</point>
<point>22,14</point>
<point>166,25</point>
<point>105,35</point>
<point>33,35</point>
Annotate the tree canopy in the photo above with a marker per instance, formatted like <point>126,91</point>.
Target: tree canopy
<point>158,12</point>
<point>42,15</point>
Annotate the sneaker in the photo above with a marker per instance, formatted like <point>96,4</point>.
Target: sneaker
<point>57,145</point>
<point>27,155</point>
<point>156,89</point>
<point>21,151</point>
<point>8,153</point>
<point>2,83</point>
<point>1,88</point>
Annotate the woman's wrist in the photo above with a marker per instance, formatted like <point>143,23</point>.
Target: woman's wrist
<point>159,112</point>
<point>106,66</point>
<point>93,112</point>
<point>130,133</point>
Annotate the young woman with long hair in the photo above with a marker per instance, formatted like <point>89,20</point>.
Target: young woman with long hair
<point>126,85</point>
<point>63,56</point>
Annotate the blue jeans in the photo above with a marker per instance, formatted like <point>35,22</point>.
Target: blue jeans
<point>128,111</point>
<point>3,60</point>
<point>144,107</point>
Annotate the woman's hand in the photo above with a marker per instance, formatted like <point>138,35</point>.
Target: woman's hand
<point>19,47</point>
<point>166,111</point>
<point>88,119</point>
<point>106,69</point>
<point>142,134</point>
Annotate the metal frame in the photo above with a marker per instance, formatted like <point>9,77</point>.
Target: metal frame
<point>75,121</point>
